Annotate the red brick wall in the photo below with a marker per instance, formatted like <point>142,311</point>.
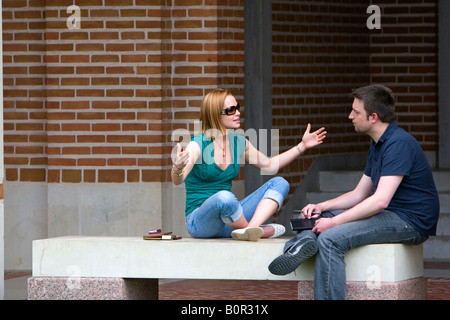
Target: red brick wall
<point>323,49</point>
<point>404,57</point>
<point>99,104</point>
<point>320,52</point>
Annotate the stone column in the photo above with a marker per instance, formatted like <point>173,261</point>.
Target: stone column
<point>258,79</point>
<point>444,85</point>
<point>2,216</point>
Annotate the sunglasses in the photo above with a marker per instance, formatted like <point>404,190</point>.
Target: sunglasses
<point>231,110</point>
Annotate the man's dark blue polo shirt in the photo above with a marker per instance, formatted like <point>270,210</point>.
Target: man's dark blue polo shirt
<point>416,200</point>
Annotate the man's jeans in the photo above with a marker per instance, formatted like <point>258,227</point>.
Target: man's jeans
<point>211,218</point>
<point>329,274</point>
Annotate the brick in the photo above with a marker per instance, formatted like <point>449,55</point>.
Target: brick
<point>34,175</point>
<point>134,127</point>
<point>90,93</point>
<point>73,176</point>
<point>122,162</point>
<point>76,150</point>
<point>119,93</point>
<point>15,138</point>
<point>59,93</point>
<point>104,13</point>
<point>90,115</point>
<point>89,47</point>
<point>90,70</point>
<point>30,104</point>
<point>16,161</point>
<point>151,175</point>
<point>54,176</point>
<point>14,3</point>
<point>106,150</point>
<point>105,104</point>
<point>74,104</point>
<point>134,104</point>
<point>133,58</point>
<point>148,93</point>
<point>134,150</point>
<point>60,115</point>
<point>111,175</point>
<point>39,161</point>
<point>106,127</point>
<point>120,24</point>
<point>95,162</point>
<point>151,139</point>
<point>90,138</point>
<point>11,174</point>
<point>105,58</point>
<point>119,70</point>
<point>133,13</point>
<point>27,58</point>
<point>133,175</point>
<point>133,81</point>
<point>149,70</point>
<point>119,47</point>
<point>62,162</point>
<point>29,150</point>
<point>149,162</point>
<point>120,139</point>
<point>75,127</point>
<point>75,59</point>
<point>89,175</point>
<point>75,82</point>
<point>74,36</point>
<point>116,3</point>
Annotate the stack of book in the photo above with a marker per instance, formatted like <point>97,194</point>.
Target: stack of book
<point>159,235</point>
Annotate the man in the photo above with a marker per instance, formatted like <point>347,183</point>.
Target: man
<point>394,202</point>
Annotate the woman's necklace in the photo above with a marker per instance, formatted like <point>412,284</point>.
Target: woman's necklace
<point>222,147</point>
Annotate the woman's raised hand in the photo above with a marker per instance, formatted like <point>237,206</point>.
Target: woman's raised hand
<point>312,139</point>
<point>182,157</point>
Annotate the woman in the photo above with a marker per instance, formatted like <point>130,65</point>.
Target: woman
<point>211,161</point>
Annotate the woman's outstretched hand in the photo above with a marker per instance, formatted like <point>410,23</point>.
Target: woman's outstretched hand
<point>312,139</point>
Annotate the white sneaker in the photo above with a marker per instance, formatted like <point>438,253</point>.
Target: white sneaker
<point>249,234</point>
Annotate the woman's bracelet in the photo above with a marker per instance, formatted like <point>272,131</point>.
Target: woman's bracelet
<point>176,173</point>
<point>298,148</point>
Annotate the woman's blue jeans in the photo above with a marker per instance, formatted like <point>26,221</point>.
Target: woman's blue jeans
<point>329,273</point>
<point>211,218</point>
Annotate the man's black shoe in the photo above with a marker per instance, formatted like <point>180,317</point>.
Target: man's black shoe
<point>288,262</point>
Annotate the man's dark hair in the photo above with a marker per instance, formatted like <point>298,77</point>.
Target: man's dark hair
<point>377,99</point>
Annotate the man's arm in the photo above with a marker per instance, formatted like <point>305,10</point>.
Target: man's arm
<point>345,201</point>
<point>386,189</point>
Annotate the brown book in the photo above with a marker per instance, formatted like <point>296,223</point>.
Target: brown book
<point>161,236</point>
<point>157,236</point>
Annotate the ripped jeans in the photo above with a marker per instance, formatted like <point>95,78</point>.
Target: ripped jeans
<point>211,218</point>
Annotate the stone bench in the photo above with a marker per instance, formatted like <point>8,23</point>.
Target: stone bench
<point>85,267</point>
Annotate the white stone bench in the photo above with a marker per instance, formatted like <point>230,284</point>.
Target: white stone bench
<point>85,267</point>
